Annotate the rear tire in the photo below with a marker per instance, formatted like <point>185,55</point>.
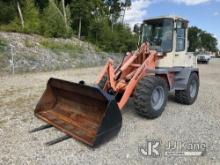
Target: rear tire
<point>189,95</point>
<point>150,96</point>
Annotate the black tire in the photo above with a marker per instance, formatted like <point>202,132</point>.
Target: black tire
<point>185,96</point>
<point>102,82</point>
<point>143,96</point>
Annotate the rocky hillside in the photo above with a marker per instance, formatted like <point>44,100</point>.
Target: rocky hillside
<point>34,53</point>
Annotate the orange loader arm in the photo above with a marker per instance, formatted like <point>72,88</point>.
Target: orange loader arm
<point>124,79</point>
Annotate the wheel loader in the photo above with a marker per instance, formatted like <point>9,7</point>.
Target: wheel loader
<point>92,114</point>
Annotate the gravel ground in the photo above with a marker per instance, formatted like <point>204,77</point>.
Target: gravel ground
<point>199,123</point>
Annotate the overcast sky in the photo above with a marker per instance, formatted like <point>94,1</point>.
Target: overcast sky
<point>204,14</point>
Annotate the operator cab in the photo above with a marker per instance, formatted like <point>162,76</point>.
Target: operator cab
<point>160,33</point>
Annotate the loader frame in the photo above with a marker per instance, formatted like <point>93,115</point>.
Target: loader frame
<point>125,77</point>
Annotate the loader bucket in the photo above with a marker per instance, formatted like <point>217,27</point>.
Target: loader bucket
<point>83,112</point>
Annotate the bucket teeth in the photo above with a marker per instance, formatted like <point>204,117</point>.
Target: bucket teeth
<point>40,128</point>
<point>58,140</point>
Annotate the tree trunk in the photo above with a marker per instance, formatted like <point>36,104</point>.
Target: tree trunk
<point>64,14</point>
<point>109,9</point>
<point>20,15</point>
<point>80,27</point>
<point>123,19</point>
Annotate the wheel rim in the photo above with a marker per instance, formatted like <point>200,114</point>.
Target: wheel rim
<point>157,98</point>
<point>193,89</point>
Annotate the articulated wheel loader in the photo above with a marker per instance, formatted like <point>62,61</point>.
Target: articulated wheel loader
<point>160,65</point>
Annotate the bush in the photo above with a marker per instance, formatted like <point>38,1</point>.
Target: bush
<point>31,17</point>
<point>57,47</point>
<point>7,12</point>
<point>13,26</point>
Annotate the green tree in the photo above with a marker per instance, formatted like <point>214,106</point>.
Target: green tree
<point>120,40</point>
<point>194,41</point>
<point>52,22</point>
<point>82,14</point>
<point>7,12</point>
<point>11,15</point>
<point>58,18</point>
<point>31,17</point>
<point>81,11</point>
<point>199,39</point>
<point>42,4</point>
<point>126,4</point>
<point>115,8</point>
<point>209,42</point>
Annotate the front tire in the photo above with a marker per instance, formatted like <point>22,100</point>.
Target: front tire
<point>189,95</point>
<point>150,96</point>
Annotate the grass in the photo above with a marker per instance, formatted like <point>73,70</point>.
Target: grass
<point>3,44</point>
<point>3,55</point>
<point>58,47</point>
<point>29,43</point>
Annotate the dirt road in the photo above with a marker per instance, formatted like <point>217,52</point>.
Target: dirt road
<point>196,124</point>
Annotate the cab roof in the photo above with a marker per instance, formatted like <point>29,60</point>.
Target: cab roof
<point>174,17</point>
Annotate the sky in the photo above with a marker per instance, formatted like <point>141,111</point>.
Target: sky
<point>204,14</point>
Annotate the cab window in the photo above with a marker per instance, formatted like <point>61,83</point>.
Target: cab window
<point>181,36</point>
<point>159,33</point>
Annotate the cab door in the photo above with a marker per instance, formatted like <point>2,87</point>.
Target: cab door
<point>181,43</point>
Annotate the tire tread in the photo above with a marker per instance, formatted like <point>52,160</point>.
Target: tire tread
<point>142,96</point>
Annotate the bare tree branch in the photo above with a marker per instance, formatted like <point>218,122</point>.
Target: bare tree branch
<point>20,15</point>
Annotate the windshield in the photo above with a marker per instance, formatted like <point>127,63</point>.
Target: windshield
<point>159,33</point>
